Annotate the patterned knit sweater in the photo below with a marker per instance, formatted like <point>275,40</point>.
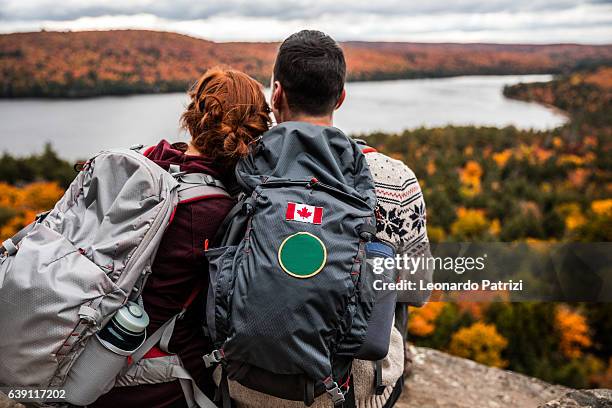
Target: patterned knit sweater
<point>401,215</point>
<point>401,221</point>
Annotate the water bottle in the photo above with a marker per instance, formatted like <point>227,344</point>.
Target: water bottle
<point>95,371</point>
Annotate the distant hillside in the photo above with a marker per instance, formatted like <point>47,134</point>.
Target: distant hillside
<point>586,95</point>
<point>73,64</point>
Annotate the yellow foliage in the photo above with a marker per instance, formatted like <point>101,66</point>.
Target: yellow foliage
<point>570,159</point>
<point>575,79</point>
<point>523,151</point>
<point>566,209</point>
<point>495,227</point>
<point>470,222</point>
<point>435,234</point>
<point>572,214</point>
<point>557,142</point>
<point>574,221</point>
<point>604,380</point>
<point>602,207</point>
<point>574,332</point>
<point>422,321</point>
<point>480,342</point>
<point>546,187</point>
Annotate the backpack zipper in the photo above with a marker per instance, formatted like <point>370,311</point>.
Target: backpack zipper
<point>315,185</point>
<point>154,227</point>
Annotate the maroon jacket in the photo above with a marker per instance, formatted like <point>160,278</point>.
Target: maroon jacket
<point>179,267</point>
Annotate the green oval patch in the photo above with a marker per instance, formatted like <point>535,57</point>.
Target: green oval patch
<point>302,255</point>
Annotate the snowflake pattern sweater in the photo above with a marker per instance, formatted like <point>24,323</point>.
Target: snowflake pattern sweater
<point>401,214</point>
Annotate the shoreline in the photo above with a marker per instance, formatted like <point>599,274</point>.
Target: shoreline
<point>47,97</point>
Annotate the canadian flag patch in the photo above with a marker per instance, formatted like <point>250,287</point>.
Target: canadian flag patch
<point>304,213</point>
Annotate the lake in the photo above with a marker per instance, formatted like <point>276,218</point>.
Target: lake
<point>78,128</point>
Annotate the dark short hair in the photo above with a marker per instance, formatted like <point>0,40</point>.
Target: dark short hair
<point>310,67</point>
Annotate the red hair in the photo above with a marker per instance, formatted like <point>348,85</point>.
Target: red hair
<point>227,111</point>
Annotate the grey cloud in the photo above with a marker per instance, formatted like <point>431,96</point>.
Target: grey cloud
<point>29,10</point>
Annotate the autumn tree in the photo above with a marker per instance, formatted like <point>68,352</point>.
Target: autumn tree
<point>480,342</point>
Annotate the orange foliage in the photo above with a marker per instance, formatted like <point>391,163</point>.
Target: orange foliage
<point>578,177</point>
<point>124,61</point>
<point>602,78</point>
<point>542,155</point>
<point>470,177</point>
<point>502,158</point>
<point>423,319</point>
<point>602,207</point>
<point>475,309</point>
<point>25,203</point>
<point>574,332</point>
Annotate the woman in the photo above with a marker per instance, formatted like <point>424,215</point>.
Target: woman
<point>226,113</point>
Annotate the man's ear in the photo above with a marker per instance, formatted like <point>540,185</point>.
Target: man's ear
<point>277,95</point>
<point>341,99</point>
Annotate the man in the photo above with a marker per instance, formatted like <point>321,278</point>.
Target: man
<point>308,86</point>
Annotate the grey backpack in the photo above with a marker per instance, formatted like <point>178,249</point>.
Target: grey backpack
<point>289,300</point>
<point>63,277</point>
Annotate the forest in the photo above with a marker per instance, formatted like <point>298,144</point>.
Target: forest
<point>480,184</point>
<point>509,185</point>
<point>81,64</point>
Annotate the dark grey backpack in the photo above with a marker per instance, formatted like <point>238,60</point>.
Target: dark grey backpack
<point>288,303</point>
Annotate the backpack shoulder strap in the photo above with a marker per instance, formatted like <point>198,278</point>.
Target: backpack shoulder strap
<point>197,186</point>
<point>189,193</point>
<point>192,186</point>
<point>199,178</point>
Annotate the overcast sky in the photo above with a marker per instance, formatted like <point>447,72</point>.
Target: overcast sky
<point>507,21</point>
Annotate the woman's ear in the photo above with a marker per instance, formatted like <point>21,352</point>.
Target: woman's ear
<point>340,100</point>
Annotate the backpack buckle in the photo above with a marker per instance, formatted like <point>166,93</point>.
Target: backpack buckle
<point>215,357</point>
<point>209,180</point>
<point>9,248</point>
<point>334,391</point>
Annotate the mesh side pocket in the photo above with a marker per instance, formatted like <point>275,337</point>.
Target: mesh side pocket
<point>44,286</point>
<point>221,263</point>
<point>93,374</point>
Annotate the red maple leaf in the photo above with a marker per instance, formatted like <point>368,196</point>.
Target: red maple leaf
<point>304,213</point>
